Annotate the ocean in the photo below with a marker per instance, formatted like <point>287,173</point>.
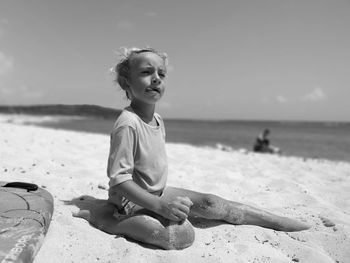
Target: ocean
<point>321,140</point>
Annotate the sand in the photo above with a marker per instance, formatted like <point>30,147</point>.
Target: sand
<point>72,164</point>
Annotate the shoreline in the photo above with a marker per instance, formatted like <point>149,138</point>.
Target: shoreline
<point>57,122</point>
<point>72,164</point>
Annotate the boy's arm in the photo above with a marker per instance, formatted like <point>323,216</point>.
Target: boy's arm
<point>175,209</point>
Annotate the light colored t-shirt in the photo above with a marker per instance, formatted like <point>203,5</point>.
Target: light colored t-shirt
<point>137,152</point>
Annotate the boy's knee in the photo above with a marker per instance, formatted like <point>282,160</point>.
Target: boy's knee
<point>208,201</point>
<point>178,235</point>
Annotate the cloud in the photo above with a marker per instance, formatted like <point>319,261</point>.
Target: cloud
<point>5,91</point>
<point>151,14</point>
<point>281,99</point>
<point>124,25</point>
<point>3,22</point>
<point>28,93</point>
<point>6,64</point>
<point>265,99</point>
<point>20,94</point>
<point>314,96</point>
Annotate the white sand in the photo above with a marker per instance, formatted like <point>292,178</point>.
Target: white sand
<point>72,164</point>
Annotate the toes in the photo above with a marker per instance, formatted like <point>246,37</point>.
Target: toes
<point>85,214</point>
<point>326,222</point>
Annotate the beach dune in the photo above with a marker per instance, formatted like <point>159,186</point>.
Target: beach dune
<point>72,166</point>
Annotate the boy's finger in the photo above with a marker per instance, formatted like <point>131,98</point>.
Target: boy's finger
<point>174,218</point>
<point>184,208</point>
<point>181,215</point>
<point>186,201</point>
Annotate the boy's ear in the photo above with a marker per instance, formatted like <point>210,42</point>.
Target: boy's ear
<point>124,83</point>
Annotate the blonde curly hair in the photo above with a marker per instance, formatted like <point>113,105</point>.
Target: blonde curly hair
<point>122,68</point>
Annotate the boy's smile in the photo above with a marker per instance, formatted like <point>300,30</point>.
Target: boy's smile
<point>147,78</point>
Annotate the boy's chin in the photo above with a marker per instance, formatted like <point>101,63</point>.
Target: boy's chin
<point>151,101</point>
<point>154,99</point>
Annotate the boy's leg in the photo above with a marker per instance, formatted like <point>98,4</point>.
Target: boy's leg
<point>155,230</point>
<point>143,226</point>
<point>210,206</point>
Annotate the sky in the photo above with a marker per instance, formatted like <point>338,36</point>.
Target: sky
<point>234,59</point>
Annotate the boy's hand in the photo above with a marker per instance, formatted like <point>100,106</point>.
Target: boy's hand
<point>176,209</point>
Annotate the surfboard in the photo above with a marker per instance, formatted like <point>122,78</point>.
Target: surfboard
<point>25,215</point>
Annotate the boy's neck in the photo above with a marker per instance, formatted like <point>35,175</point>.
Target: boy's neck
<point>144,111</point>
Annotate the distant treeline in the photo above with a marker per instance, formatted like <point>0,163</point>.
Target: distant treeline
<point>61,109</point>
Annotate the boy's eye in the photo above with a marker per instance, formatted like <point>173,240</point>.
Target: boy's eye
<point>162,74</point>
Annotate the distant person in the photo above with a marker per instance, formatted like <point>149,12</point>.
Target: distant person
<point>262,143</point>
<point>141,205</point>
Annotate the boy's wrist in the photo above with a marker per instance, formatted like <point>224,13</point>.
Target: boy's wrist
<point>156,204</point>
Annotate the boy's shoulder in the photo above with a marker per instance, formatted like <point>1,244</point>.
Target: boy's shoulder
<point>126,118</point>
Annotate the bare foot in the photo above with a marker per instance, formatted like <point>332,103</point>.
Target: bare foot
<point>84,214</point>
<point>290,225</point>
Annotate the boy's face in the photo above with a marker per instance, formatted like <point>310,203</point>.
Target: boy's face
<point>147,77</point>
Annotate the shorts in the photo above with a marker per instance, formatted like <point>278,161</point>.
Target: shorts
<point>128,208</point>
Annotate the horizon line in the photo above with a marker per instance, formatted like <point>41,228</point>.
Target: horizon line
<point>171,118</point>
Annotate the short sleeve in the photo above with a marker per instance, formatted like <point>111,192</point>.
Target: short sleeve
<point>121,155</point>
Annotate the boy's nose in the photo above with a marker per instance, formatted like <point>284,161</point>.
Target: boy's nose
<point>155,79</point>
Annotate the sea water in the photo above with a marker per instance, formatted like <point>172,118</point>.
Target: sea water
<point>325,140</point>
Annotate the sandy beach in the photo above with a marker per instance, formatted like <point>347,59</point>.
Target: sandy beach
<point>73,164</point>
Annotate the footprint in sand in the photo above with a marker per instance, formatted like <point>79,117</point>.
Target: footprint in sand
<point>326,222</point>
